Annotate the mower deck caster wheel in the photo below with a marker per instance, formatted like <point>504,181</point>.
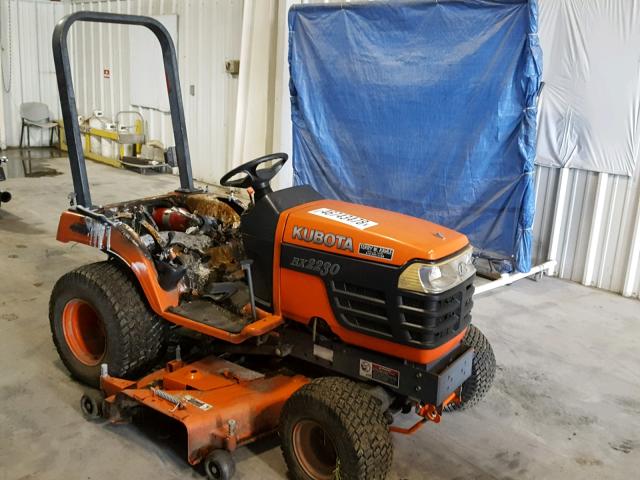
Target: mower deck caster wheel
<point>219,465</point>
<point>91,406</point>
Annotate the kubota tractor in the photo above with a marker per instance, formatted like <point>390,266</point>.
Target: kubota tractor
<point>319,319</point>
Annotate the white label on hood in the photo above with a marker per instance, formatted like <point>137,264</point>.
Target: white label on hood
<point>346,218</point>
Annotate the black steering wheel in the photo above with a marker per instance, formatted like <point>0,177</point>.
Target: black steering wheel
<point>251,175</point>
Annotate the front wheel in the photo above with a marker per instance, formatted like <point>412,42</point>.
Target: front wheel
<point>483,370</point>
<point>331,428</point>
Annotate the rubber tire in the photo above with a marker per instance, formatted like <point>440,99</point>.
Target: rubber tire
<point>134,334</point>
<point>351,417</point>
<point>483,371</point>
<point>91,406</point>
<point>223,463</point>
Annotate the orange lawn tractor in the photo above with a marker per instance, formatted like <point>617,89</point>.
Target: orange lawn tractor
<point>318,319</point>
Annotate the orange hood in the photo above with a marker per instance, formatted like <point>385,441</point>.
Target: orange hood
<point>369,233</point>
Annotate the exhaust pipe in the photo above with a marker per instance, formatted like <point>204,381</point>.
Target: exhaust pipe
<point>5,197</point>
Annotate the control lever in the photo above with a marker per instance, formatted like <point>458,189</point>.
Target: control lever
<point>246,266</point>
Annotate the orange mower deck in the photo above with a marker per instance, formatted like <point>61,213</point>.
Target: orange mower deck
<point>222,405</point>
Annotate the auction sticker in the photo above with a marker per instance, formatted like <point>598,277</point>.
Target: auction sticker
<point>379,373</point>
<point>375,251</point>
<point>342,217</point>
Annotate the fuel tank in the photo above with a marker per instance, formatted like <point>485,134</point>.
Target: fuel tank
<point>369,233</point>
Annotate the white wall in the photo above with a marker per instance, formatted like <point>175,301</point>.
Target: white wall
<point>27,62</point>
<point>590,222</point>
<point>209,33</point>
<point>263,115</point>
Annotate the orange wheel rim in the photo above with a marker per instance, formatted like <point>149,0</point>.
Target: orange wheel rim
<point>84,332</point>
<point>314,450</point>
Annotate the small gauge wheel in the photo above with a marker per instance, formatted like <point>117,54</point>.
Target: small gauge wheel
<point>219,465</point>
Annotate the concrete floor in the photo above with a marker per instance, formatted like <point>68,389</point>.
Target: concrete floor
<point>565,404</point>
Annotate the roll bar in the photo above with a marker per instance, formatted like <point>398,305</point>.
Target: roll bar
<point>68,98</point>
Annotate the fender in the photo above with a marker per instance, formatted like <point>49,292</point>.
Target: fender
<point>75,227</point>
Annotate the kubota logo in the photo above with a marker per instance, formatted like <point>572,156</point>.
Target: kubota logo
<point>312,235</point>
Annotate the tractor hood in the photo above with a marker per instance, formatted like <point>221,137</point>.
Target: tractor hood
<point>369,233</point>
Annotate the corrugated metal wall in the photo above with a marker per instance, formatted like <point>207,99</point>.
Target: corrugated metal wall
<point>27,63</point>
<point>587,221</point>
<point>209,33</point>
<point>590,223</point>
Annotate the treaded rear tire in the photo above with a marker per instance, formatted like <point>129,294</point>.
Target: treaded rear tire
<point>482,373</point>
<point>134,334</point>
<point>353,421</point>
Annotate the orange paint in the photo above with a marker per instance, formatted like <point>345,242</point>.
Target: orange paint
<point>72,228</point>
<point>221,391</point>
<point>84,332</point>
<point>299,296</point>
<point>305,297</point>
<point>409,237</point>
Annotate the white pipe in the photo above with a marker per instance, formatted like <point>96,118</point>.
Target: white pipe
<point>508,279</point>
<point>556,228</point>
<point>596,227</point>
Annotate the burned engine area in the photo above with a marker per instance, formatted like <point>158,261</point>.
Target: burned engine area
<point>194,242</point>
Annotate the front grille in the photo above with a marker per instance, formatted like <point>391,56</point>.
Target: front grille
<point>421,320</point>
<point>361,307</point>
<point>365,298</point>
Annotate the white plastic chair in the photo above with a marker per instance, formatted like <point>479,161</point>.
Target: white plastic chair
<point>36,114</point>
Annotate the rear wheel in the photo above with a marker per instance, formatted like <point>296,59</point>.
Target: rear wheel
<point>482,372</point>
<point>97,316</point>
<point>332,428</point>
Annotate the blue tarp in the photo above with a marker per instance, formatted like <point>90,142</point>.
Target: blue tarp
<point>426,108</point>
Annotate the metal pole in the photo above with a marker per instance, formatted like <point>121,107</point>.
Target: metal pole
<point>68,99</point>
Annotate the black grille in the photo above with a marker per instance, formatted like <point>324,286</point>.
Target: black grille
<point>361,307</point>
<point>365,298</point>
<point>423,320</point>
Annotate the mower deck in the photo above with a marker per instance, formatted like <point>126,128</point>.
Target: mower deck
<point>221,404</point>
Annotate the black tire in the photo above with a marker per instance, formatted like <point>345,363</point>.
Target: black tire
<point>482,372</point>
<point>131,335</point>
<point>219,465</point>
<point>356,444</point>
<point>91,405</point>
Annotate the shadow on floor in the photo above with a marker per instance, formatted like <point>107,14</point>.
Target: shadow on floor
<point>14,224</point>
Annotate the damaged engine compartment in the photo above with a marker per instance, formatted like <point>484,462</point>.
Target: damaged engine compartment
<point>195,244</point>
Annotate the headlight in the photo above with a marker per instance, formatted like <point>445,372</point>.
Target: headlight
<point>438,277</point>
